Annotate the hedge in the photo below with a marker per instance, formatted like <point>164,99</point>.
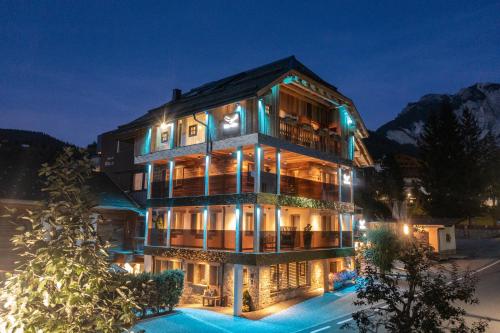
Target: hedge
<point>156,292</point>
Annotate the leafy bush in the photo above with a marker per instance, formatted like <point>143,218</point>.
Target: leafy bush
<point>64,283</point>
<point>156,292</point>
<point>383,249</point>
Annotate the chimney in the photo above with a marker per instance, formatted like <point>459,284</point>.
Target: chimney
<point>176,94</point>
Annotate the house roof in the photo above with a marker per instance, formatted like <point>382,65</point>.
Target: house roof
<point>107,193</point>
<point>230,89</point>
<point>110,196</point>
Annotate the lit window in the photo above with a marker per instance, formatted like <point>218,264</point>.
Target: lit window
<point>248,223</point>
<point>138,182</point>
<point>193,130</point>
<point>165,136</point>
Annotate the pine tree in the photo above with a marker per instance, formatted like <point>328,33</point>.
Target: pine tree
<point>441,150</point>
<point>474,166</point>
<point>65,283</point>
<point>391,179</point>
<point>491,152</point>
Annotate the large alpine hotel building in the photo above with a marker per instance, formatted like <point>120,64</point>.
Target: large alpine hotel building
<point>247,183</point>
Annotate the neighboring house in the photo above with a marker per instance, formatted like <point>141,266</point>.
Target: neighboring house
<point>122,225</point>
<point>21,156</point>
<point>247,182</point>
<point>439,233</point>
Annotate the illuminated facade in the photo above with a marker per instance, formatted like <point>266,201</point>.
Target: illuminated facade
<point>247,182</point>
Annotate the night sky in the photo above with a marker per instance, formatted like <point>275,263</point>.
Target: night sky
<point>76,69</point>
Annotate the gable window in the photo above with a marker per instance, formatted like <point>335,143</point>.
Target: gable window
<point>165,136</point>
<point>193,130</point>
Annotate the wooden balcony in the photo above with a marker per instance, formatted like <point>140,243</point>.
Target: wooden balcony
<point>305,135</point>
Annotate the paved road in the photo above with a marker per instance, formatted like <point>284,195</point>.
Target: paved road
<point>488,292</point>
<point>315,315</point>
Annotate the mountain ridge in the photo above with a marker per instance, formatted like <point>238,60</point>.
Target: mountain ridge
<point>401,133</point>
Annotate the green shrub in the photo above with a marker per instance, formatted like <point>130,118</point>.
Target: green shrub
<point>169,285</point>
<point>156,292</point>
<point>247,302</point>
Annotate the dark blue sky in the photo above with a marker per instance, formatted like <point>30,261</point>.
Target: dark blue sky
<point>76,69</point>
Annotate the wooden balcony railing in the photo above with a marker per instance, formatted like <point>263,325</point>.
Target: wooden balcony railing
<point>305,135</point>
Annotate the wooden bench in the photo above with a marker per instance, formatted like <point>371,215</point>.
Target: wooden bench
<point>211,300</point>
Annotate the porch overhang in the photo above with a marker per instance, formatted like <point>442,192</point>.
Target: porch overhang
<point>250,259</point>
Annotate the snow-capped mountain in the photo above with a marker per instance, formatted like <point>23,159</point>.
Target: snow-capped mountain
<point>483,99</point>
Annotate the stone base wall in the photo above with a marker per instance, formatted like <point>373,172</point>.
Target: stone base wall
<point>267,298</point>
<point>228,284</point>
<point>258,283</point>
<point>316,269</point>
<point>188,297</point>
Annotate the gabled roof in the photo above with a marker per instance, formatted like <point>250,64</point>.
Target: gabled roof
<point>230,89</point>
<point>110,196</point>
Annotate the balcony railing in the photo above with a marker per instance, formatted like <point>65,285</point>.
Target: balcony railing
<point>159,189</point>
<point>222,184</point>
<point>304,135</point>
<point>186,238</point>
<point>158,237</point>
<point>292,239</point>
<point>308,188</point>
<point>346,238</point>
<point>221,239</point>
<point>189,187</point>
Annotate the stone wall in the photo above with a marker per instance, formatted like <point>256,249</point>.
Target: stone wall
<point>227,284</point>
<point>254,285</point>
<point>266,298</point>
<point>316,269</point>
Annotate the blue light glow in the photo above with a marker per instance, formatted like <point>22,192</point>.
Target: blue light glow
<point>263,118</point>
<point>146,149</point>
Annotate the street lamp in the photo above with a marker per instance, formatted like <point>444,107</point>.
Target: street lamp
<point>406,229</point>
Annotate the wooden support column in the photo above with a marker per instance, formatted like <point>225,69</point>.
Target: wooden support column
<point>205,226</point>
<point>149,177</point>
<point>207,174</point>
<point>148,263</point>
<point>256,228</point>
<point>239,158</point>
<point>238,218</point>
<point>340,183</point>
<point>278,171</point>
<point>258,167</point>
<point>340,229</point>
<point>171,170</point>
<point>169,224</point>
<point>275,110</point>
<point>147,225</point>
<point>277,227</point>
<point>352,185</point>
